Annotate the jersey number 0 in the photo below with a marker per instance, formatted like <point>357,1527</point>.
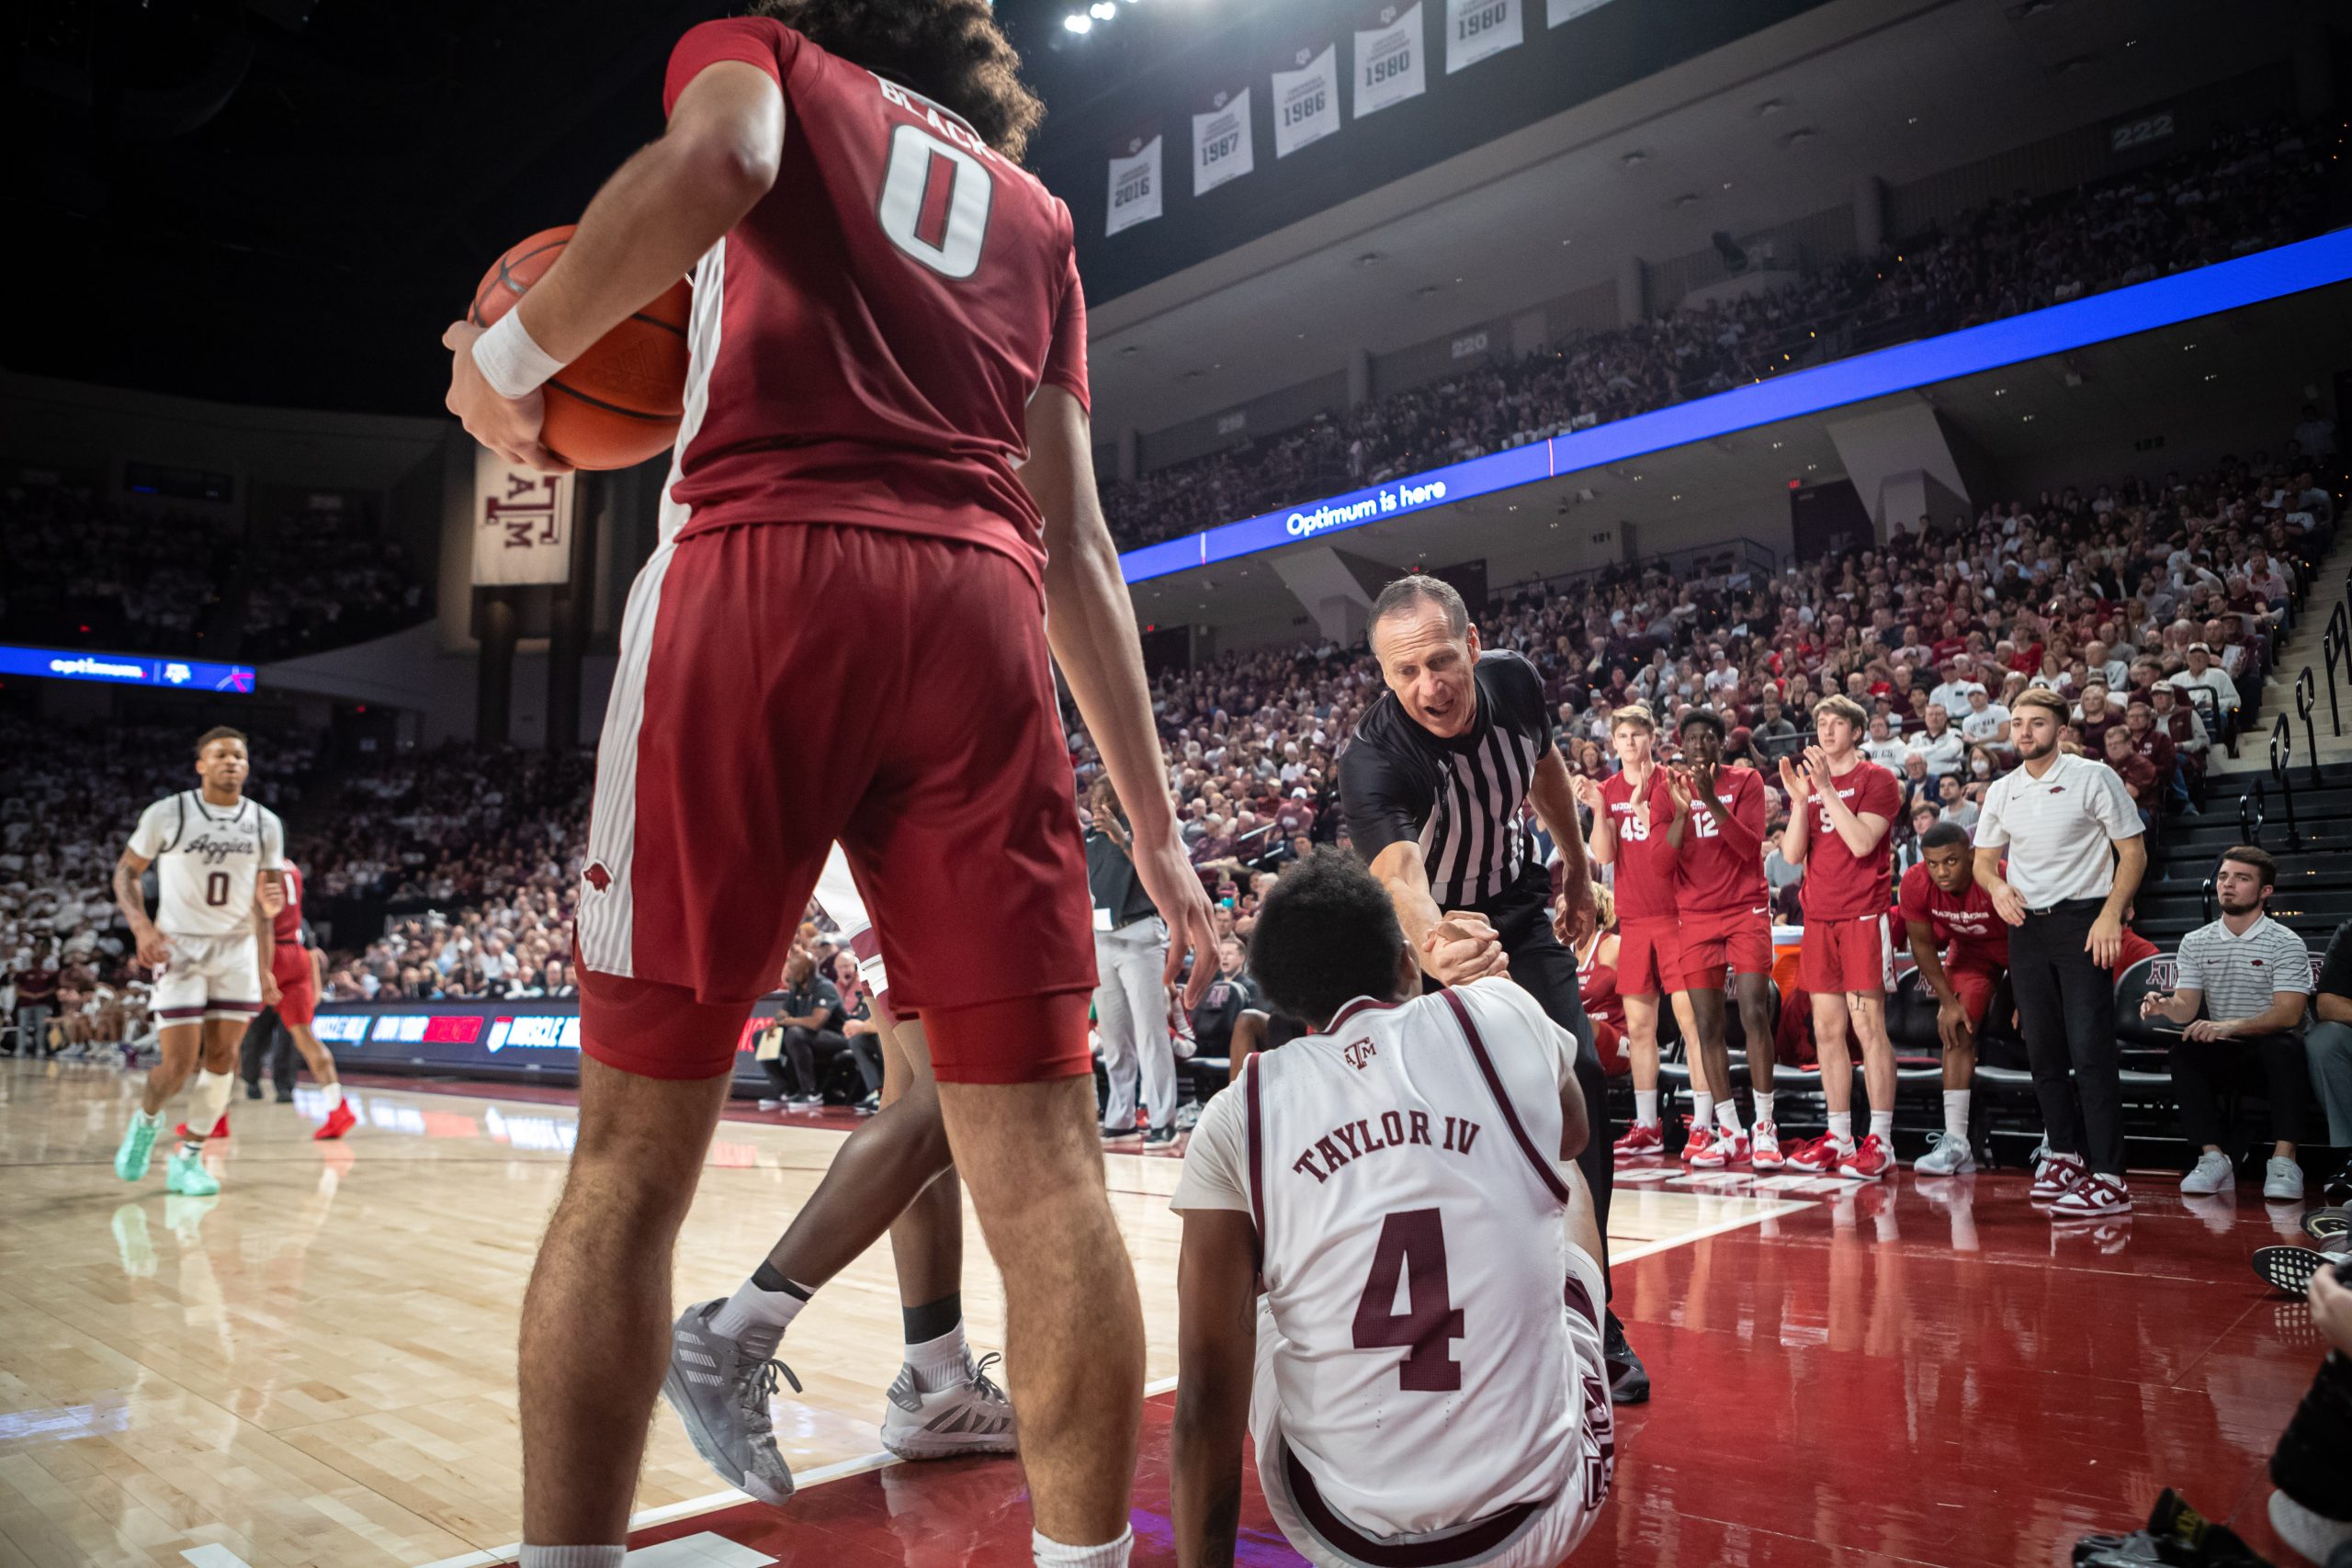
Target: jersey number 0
<point>936,202</point>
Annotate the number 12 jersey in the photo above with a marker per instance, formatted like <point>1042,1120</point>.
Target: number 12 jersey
<point>865,341</point>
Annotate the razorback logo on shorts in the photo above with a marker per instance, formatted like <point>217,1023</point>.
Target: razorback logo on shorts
<point>597,876</point>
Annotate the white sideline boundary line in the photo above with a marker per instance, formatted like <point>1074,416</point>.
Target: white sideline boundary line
<point>499,1556</point>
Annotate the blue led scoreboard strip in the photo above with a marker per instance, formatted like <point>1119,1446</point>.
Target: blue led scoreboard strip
<point>2145,307</point>
<point>125,668</point>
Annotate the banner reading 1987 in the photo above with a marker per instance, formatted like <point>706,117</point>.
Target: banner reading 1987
<point>1221,149</point>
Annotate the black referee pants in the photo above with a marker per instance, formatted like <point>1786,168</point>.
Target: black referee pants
<point>2066,1012</point>
<point>268,1042</point>
<point>1522,916</point>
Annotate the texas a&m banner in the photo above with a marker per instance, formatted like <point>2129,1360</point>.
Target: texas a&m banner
<point>521,524</point>
<point>1135,182</point>
<point>1221,145</point>
<point>1389,63</point>
<point>1307,100</point>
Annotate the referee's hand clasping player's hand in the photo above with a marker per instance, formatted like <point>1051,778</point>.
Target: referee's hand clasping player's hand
<point>1462,948</point>
<point>1166,874</point>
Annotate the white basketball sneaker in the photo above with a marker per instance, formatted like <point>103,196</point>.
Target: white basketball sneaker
<point>970,1417</point>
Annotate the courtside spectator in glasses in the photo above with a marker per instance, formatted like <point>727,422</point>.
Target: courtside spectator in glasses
<point>2242,985</point>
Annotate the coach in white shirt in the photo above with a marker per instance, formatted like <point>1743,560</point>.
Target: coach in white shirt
<point>2250,978</point>
<point>2075,853</point>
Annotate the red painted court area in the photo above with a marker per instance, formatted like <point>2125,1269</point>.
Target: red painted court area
<point>1896,1375</point>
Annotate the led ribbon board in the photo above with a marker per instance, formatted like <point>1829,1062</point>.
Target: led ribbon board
<point>2145,307</point>
<point>125,668</point>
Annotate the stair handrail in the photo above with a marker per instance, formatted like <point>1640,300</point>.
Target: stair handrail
<point>2330,651</point>
<point>2306,686</point>
<point>2282,751</point>
<point>2205,899</point>
<point>2250,819</point>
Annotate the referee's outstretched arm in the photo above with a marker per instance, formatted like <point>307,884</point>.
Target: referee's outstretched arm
<point>1463,952</point>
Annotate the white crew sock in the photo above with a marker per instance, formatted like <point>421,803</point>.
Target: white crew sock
<point>942,1362</point>
<point>1883,1127</point>
<point>334,1093</point>
<point>1646,1107</point>
<point>1703,1108</point>
<point>757,1317</point>
<point>1763,1106</point>
<point>206,1104</point>
<point>1727,1113</point>
<point>1841,1126</point>
<point>146,1118</point>
<point>1956,1114</point>
<point>1110,1554</point>
<point>572,1557</point>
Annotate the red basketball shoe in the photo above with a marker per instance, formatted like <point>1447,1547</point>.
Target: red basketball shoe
<point>1765,1144</point>
<point>339,1121</point>
<point>1820,1155</point>
<point>1869,1162</point>
<point>220,1128</point>
<point>1642,1141</point>
<point>1699,1150</point>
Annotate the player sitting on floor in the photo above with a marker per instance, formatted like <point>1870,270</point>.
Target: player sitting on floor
<point>1420,1141</point>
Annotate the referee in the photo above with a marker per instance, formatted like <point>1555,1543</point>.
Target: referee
<point>1430,786</point>
<point>2057,816</point>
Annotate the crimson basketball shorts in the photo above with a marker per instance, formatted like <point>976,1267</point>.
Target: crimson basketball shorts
<point>297,1001</point>
<point>1609,1045</point>
<point>1974,981</point>
<point>1844,956</point>
<point>1649,957</point>
<point>785,686</point>
<point>1721,941</point>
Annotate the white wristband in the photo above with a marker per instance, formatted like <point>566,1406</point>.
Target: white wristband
<point>512,365</point>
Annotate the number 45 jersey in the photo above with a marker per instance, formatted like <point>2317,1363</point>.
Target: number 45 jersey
<point>1401,1169</point>
<point>865,342</point>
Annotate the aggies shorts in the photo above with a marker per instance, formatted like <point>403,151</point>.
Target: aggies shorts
<point>784,686</point>
<point>1844,956</point>
<point>1649,957</point>
<point>208,977</point>
<point>297,1001</point>
<point>1718,941</point>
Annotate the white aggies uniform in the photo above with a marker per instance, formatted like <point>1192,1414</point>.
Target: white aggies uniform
<point>1430,1387</point>
<point>207,865</point>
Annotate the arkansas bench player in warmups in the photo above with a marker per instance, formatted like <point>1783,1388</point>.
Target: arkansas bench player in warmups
<point>1421,1142</point>
<point>293,990</point>
<point>882,504</point>
<point>216,856</point>
<point>1848,873</point>
<point>1726,919</point>
<point>1630,813</point>
<point>1960,945</point>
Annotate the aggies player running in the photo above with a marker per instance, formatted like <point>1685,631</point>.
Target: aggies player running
<point>1960,946</point>
<point>1839,805</point>
<point>216,856</point>
<point>882,502</point>
<point>1727,915</point>
<point>1631,812</point>
<point>1404,1182</point>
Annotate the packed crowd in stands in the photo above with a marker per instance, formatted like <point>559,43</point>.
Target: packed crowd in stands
<point>2247,190</point>
<point>74,794</point>
<point>88,572</point>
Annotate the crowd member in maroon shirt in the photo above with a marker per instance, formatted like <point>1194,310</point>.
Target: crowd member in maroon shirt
<point>2138,774</point>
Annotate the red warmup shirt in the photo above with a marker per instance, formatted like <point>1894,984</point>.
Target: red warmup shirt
<point>867,340</point>
<point>1645,885</point>
<point>1969,931</point>
<point>286,926</point>
<point>1720,868</point>
<point>1839,885</point>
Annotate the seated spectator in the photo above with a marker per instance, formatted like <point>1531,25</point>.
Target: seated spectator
<point>2329,1044</point>
<point>2204,675</point>
<point>1936,741</point>
<point>1882,748</point>
<point>2139,774</point>
<point>810,1018</point>
<point>859,1030</point>
<point>1987,722</point>
<point>1957,806</point>
<point>2094,716</point>
<point>2243,982</point>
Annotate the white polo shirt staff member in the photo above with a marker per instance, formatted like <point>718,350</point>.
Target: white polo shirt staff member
<point>2075,856</point>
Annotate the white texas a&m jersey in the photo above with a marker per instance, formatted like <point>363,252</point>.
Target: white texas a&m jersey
<point>1402,1168</point>
<point>208,861</point>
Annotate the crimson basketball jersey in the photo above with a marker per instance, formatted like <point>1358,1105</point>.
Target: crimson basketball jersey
<point>1717,872</point>
<point>1838,883</point>
<point>1644,885</point>
<point>865,341</point>
<point>286,926</point>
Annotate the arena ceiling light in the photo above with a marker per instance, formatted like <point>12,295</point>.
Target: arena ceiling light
<point>1078,22</point>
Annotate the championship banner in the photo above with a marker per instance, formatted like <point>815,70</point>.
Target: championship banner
<point>521,524</point>
<point>1307,101</point>
<point>1221,149</point>
<point>1558,11</point>
<point>1134,184</point>
<point>1388,61</point>
<point>1477,29</point>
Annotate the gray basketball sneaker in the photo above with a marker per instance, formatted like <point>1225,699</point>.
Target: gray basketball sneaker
<point>720,1392</point>
<point>1946,1155</point>
<point>969,1417</point>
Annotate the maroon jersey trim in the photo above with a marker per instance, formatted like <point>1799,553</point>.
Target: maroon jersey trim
<point>1477,1541</point>
<point>1502,1101</point>
<point>1257,1159</point>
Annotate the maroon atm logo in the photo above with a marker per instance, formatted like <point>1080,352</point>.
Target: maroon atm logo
<point>1360,1052</point>
<point>597,876</point>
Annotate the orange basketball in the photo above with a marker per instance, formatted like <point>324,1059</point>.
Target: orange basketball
<point>620,402</point>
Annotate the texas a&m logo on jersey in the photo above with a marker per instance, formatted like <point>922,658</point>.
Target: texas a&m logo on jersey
<point>1360,1052</point>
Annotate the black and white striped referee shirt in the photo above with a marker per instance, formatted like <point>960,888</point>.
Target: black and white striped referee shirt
<point>1459,799</point>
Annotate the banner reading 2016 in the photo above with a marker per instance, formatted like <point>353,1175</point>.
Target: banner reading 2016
<point>1134,184</point>
<point>1477,29</point>
<point>1221,149</point>
<point>1389,65</point>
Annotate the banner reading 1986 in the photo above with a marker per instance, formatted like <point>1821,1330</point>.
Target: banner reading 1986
<point>1307,101</point>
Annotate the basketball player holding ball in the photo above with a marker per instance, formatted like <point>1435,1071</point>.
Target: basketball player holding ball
<point>882,502</point>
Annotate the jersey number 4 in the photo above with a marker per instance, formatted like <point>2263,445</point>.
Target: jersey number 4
<point>936,202</point>
<point>1412,1248</point>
